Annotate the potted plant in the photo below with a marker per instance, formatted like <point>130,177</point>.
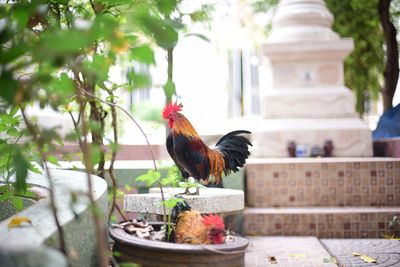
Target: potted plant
<point>153,244</point>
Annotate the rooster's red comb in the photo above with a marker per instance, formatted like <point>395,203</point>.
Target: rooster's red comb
<point>171,108</point>
<point>214,221</point>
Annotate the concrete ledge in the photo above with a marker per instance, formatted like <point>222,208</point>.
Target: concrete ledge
<point>79,233</point>
<point>210,200</point>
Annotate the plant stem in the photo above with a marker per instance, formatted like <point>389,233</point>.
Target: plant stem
<point>113,156</point>
<point>170,68</point>
<point>100,235</point>
<point>97,115</point>
<point>122,213</point>
<point>147,141</point>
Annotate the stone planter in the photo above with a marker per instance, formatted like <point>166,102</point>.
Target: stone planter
<point>79,234</point>
<point>149,253</point>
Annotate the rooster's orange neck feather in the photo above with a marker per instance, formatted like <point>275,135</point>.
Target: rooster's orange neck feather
<point>183,126</point>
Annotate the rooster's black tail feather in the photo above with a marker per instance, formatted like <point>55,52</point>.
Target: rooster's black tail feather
<point>180,207</point>
<point>235,150</point>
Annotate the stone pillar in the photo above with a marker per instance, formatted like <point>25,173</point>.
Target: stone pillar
<point>306,100</point>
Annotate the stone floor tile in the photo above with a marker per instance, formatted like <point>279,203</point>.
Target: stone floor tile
<point>288,251</point>
<point>385,251</point>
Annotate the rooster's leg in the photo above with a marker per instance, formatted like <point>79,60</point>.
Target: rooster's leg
<point>188,193</point>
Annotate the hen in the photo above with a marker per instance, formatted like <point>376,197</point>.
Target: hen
<point>194,158</point>
<point>193,228</point>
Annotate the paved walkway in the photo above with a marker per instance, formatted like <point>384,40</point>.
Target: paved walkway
<point>287,251</point>
<point>311,252</point>
<point>385,251</point>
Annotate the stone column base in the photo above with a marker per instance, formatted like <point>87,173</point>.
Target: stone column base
<point>350,136</point>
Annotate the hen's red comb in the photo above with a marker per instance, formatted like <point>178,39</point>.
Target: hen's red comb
<point>213,220</point>
<point>170,108</point>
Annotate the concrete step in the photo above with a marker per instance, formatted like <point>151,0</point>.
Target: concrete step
<point>330,222</point>
<point>287,251</point>
<point>386,252</point>
<point>305,182</point>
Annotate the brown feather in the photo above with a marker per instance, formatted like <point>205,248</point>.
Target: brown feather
<point>190,228</point>
<point>182,126</point>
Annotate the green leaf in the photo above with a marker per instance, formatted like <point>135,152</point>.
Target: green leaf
<point>61,43</point>
<point>95,126</point>
<point>17,203</point>
<point>52,159</point>
<point>97,70</point>
<point>95,154</point>
<point>171,202</point>
<point>170,180</point>
<point>21,167</point>
<point>150,177</point>
<point>34,168</point>
<point>191,180</point>
<point>13,132</point>
<point>8,87</point>
<point>115,2</point>
<point>14,110</point>
<point>143,54</point>
<point>169,89</point>
<point>72,136</point>
<point>13,53</point>
<point>103,26</point>
<point>21,15</point>
<point>6,34</point>
<point>5,188</point>
<point>30,194</point>
<point>138,79</point>
<point>113,146</point>
<point>119,193</point>
<point>161,30</point>
<point>128,187</point>
<point>6,195</point>
<point>156,174</point>
<point>66,85</point>
<point>166,6</point>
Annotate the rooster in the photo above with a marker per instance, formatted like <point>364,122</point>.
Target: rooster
<point>194,158</point>
<point>193,228</point>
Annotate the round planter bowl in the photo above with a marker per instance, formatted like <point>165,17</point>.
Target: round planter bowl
<point>150,253</point>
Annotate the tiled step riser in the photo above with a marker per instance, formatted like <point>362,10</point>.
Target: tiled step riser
<point>323,183</point>
<point>330,225</point>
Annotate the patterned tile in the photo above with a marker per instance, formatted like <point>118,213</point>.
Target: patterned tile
<point>321,222</point>
<point>320,182</point>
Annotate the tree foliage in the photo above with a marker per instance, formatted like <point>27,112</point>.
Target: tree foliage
<point>364,67</point>
<point>58,54</point>
<point>391,72</point>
